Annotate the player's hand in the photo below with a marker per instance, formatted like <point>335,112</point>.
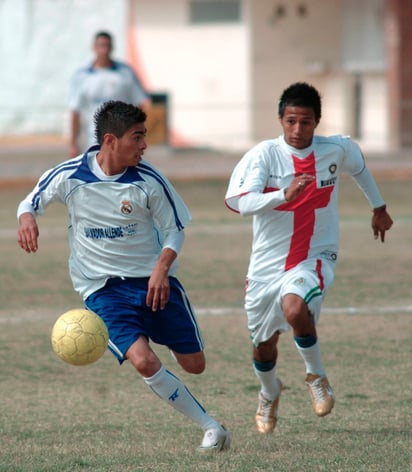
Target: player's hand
<point>381,222</point>
<point>158,292</point>
<point>28,233</point>
<point>298,185</point>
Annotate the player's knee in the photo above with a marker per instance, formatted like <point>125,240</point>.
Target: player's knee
<point>267,350</point>
<point>192,363</point>
<point>197,368</point>
<point>295,310</point>
<point>147,365</point>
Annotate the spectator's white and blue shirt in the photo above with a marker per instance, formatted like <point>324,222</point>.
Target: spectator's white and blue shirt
<point>91,87</point>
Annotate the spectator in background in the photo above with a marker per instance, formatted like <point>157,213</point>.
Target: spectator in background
<point>105,79</point>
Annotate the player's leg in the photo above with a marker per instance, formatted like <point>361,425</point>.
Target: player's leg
<point>304,331</point>
<point>171,390</point>
<point>262,306</point>
<point>127,321</point>
<point>302,311</point>
<point>194,363</point>
<point>177,328</point>
<point>264,364</point>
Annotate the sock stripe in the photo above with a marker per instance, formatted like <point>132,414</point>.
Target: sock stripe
<point>263,366</point>
<point>306,341</point>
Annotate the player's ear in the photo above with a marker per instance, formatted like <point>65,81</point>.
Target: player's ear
<point>109,139</point>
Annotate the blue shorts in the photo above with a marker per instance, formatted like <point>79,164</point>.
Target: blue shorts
<point>121,303</point>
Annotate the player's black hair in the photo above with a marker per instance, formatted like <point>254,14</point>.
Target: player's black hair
<point>103,34</point>
<point>116,117</point>
<point>301,94</point>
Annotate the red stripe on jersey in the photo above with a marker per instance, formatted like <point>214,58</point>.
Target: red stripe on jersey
<point>304,207</point>
<point>319,272</point>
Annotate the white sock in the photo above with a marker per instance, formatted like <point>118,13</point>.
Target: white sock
<point>311,358</point>
<point>170,389</point>
<point>270,386</point>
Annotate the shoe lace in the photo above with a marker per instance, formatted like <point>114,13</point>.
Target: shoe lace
<point>266,406</point>
<point>318,390</point>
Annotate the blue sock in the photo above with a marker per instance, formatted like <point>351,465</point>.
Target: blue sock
<point>306,341</point>
<point>263,366</point>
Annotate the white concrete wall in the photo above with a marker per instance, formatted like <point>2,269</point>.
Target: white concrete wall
<point>203,68</point>
<point>290,45</point>
<point>223,80</point>
<point>42,42</point>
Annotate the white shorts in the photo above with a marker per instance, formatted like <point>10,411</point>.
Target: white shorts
<point>309,280</point>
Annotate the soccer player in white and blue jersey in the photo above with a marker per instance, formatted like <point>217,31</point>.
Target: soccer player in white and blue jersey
<point>290,186</point>
<point>126,228</point>
<point>103,80</point>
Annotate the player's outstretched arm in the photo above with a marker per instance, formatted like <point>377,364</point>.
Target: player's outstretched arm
<point>381,222</point>
<point>28,232</point>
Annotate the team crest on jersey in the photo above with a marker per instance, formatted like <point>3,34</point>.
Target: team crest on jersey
<point>126,207</point>
<point>332,168</point>
<point>299,281</point>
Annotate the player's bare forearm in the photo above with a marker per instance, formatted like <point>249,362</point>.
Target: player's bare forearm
<point>159,289</point>
<point>75,129</point>
<point>28,232</point>
<point>381,222</point>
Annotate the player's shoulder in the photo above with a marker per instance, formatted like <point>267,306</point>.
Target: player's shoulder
<point>83,70</point>
<point>71,163</point>
<point>336,139</point>
<point>148,170</point>
<point>270,151</point>
<point>265,147</point>
<point>70,166</point>
<point>337,142</point>
<point>121,66</point>
<point>60,172</point>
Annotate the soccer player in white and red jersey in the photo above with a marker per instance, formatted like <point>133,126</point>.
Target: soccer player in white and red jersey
<point>126,228</point>
<point>290,186</point>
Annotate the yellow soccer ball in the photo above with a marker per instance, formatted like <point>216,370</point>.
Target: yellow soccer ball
<point>79,337</point>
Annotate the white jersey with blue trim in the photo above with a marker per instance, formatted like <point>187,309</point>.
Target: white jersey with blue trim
<point>91,87</point>
<point>116,224</point>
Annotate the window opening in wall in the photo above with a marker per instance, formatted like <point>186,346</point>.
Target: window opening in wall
<point>215,11</point>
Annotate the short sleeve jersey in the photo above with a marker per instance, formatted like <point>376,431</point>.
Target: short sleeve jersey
<point>303,228</point>
<point>116,224</point>
<point>91,87</point>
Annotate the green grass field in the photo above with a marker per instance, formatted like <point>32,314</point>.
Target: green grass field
<point>56,417</point>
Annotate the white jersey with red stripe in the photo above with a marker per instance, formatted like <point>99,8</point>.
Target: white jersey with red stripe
<point>308,226</point>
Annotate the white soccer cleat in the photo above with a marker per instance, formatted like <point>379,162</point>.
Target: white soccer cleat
<point>215,440</point>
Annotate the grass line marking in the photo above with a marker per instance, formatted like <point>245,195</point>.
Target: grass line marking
<point>37,314</point>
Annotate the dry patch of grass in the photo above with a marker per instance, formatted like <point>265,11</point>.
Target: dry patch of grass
<point>56,417</point>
